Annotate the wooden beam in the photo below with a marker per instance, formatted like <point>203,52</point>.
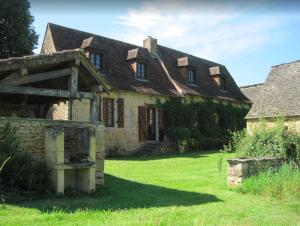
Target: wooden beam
<point>34,91</point>
<point>36,77</point>
<point>94,109</point>
<point>85,95</point>
<point>73,82</point>
<point>42,92</point>
<point>97,89</point>
<point>15,74</point>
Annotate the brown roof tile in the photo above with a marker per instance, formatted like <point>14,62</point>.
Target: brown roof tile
<point>117,69</point>
<point>205,85</point>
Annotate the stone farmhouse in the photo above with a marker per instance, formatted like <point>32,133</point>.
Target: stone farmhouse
<point>139,76</point>
<point>279,96</point>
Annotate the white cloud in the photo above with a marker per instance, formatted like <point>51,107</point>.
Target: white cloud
<point>214,32</point>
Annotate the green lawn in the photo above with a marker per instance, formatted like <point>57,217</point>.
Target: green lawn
<point>175,190</point>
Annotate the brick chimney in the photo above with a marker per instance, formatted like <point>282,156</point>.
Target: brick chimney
<point>151,44</point>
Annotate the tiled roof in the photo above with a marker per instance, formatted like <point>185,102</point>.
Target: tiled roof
<point>205,85</point>
<point>279,95</point>
<point>251,91</point>
<point>116,69</point>
<point>120,74</point>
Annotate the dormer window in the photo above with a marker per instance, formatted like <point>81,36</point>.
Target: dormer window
<point>141,71</point>
<point>191,79</point>
<point>96,59</point>
<point>223,84</point>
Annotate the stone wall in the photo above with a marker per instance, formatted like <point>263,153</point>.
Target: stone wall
<point>241,168</point>
<point>124,139</point>
<point>292,123</point>
<point>31,138</point>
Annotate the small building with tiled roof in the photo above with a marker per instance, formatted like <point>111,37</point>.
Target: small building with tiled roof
<point>139,76</point>
<point>279,96</point>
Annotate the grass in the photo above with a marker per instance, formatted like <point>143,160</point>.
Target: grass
<point>282,184</point>
<point>187,189</point>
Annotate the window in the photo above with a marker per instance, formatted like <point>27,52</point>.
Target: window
<point>108,112</point>
<point>141,71</point>
<point>191,76</point>
<point>223,84</point>
<point>96,59</point>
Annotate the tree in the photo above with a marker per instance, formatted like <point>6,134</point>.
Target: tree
<point>17,35</point>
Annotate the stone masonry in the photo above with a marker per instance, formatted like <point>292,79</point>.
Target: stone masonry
<point>240,168</point>
<point>31,138</point>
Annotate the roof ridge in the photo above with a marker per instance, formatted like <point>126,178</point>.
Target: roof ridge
<point>252,85</point>
<point>134,45</point>
<point>277,65</point>
<point>95,35</point>
<point>188,54</point>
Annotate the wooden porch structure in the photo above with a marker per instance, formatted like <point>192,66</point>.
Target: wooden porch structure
<point>39,81</point>
<point>34,83</point>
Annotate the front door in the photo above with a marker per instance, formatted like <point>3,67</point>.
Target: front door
<point>147,123</point>
<point>143,132</point>
<point>151,123</point>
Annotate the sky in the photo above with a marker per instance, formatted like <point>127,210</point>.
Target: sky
<point>248,38</point>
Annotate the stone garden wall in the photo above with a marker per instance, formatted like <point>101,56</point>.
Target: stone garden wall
<point>240,168</point>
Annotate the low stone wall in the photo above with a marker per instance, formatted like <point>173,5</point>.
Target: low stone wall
<point>240,168</point>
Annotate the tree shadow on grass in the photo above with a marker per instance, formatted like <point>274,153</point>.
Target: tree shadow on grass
<point>194,154</point>
<point>121,194</point>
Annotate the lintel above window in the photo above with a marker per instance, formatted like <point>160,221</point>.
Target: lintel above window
<point>183,62</point>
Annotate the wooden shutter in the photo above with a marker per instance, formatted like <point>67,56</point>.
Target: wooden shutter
<point>120,102</point>
<point>142,123</point>
<point>112,116</point>
<point>105,116</point>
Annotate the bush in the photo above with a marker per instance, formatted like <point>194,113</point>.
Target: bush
<point>21,172</point>
<point>178,134</point>
<point>207,143</point>
<point>207,121</point>
<point>284,183</point>
<point>266,142</point>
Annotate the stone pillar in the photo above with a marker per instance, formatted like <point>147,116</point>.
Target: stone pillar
<point>100,154</point>
<point>92,146</point>
<point>54,151</point>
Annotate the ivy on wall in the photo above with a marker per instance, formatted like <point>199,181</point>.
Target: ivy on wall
<point>208,122</point>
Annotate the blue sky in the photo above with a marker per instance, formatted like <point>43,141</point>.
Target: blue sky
<point>246,37</point>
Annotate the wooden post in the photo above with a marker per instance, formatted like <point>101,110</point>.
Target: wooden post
<point>73,82</point>
<point>73,88</point>
<point>94,109</point>
<point>70,109</point>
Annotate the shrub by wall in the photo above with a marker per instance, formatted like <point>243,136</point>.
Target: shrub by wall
<point>208,122</point>
<point>266,142</point>
<point>21,172</point>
